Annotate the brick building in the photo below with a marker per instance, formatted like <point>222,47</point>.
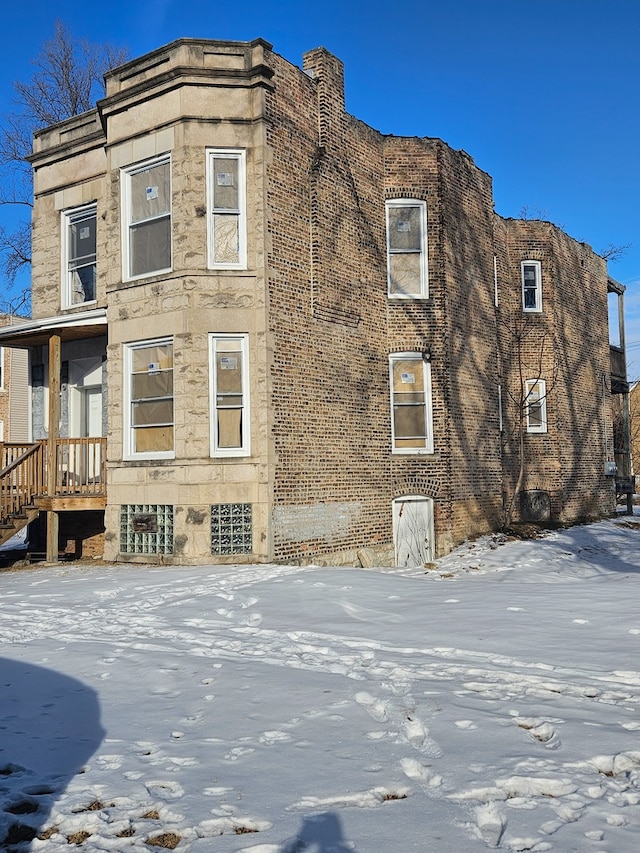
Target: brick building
<point>269,332</point>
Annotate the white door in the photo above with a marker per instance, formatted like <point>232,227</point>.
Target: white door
<point>413,530</point>
<point>83,461</point>
<point>91,412</point>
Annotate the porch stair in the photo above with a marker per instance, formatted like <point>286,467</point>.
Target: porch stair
<point>59,475</point>
<point>20,481</point>
<point>16,522</point>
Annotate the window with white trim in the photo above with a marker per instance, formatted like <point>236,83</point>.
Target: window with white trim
<point>536,405</point>
<point>226,204</point>
<point>411,407</point>
<point>1,368</point>
<point>79,255</point>
<point>229,388</point>
<point>146,216</point>
<point>407,263</point>
<point>531,285</point>
<point>149,400</point>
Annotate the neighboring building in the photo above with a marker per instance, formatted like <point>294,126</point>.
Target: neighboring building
<point>634,408</point>
<point>14,389</point>
<point>268,332</point>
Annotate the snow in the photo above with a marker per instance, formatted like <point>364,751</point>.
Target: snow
<point>490,703</point>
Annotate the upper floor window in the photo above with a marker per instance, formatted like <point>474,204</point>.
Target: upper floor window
<point>148,407</point>
<point>1,368</point>
<point>79,256</point>
<point>146,216</point>
<point>536,405</point>
<point>531,285</point>
<point>616,323</point>
<point>407,267</point>
<point>411,409</point>
<point>227,227</point>
<point>229,372</point>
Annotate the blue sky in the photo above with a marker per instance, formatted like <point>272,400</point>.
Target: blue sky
<point>544,96</point>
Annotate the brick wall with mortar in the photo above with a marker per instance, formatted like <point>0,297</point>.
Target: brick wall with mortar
<point>567,345</point>
<point>334,327</point>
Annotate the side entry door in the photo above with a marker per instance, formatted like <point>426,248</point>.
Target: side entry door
<point>413,530</point>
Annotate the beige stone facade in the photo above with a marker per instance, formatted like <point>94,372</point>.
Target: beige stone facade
<point>233,139</point>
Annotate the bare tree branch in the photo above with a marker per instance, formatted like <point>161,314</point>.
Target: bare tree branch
<point>613,253</point>
<point>67,80</point>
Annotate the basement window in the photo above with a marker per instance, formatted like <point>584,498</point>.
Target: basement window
<point>231,529</point>
<point>146,529</point>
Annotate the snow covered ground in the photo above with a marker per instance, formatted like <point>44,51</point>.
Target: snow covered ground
<point>491,703</point>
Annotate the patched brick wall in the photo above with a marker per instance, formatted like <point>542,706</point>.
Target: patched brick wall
<point>334,326</point>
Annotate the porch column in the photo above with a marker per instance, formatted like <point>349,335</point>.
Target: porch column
<point>54,434</point>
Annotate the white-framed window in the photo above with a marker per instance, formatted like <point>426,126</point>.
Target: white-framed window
<point>536,405</point>
<point>229,395</point>
<point>148,403</point>
<point>407,261</point>
<point>146,217</point>
<point>79,255</point>
<point>226,206</point>
<point>531,286</point>
<point>411,408</point>
<point>1,368</point>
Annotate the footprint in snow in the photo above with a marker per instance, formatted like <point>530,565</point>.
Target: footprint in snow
<point>237,752</point>
<point>269,738</point>
<point>465,725</point>
<point>539,730</point>
<point>421,773</point>
<point>491,824</point>
<point>376,708</point>
<point>165,790</point>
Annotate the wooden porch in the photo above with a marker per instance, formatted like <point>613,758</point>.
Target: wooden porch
<point>52,476</point>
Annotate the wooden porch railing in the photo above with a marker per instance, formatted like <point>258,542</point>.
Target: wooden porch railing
<point>79,471</point>
<point>20,479</point>
<point>80,466</point>
<point>10,451</point>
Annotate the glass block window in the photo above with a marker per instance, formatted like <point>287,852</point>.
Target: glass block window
<point>146,529</point>
<point>231,529</point>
